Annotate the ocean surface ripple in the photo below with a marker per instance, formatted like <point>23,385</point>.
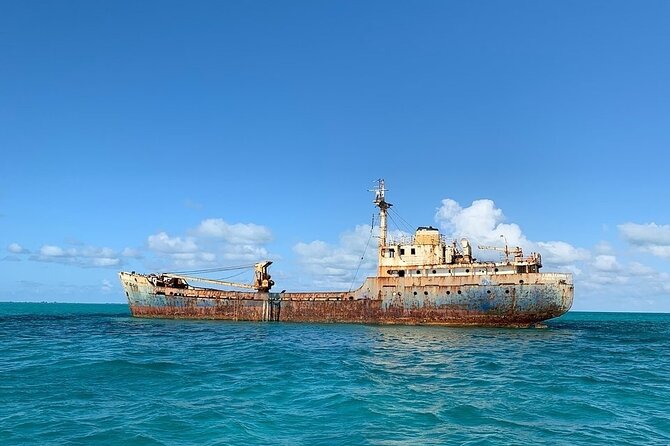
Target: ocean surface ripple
<point>91,374</point>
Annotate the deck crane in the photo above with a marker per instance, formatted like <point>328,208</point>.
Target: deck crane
<point>262,280</point>
<point>516,251</point>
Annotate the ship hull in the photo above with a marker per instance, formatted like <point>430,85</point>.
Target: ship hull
<point>518,301</point>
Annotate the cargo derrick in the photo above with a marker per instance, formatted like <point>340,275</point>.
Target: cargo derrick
<point>423,279</point>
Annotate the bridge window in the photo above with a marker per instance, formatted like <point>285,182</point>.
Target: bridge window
<point>413,251</point>
<point>402,251</point>
<point>401,273</point>
<point>391,252</point>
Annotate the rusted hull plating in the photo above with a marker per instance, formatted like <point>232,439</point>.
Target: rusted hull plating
<point>437,301</point>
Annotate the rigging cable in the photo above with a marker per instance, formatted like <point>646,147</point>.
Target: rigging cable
<point>395,223</point>
<point>213,270</point>
<point>408,226</point>
<point>234,275</point>
<point>372,227</point>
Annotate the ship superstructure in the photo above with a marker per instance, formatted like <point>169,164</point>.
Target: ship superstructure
<point>422,279</point>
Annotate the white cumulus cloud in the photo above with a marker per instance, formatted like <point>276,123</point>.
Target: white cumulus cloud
<point>482,222</point>
<point>606,262</point>
<point>562,253</point>
<point>485,224</point>
<point>334,265</point>
<point>226,244</point>
<point>645,234</point>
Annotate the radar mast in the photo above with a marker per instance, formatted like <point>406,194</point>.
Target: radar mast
<point>381,203</point>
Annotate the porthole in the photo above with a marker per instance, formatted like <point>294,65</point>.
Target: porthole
<point>459,291</point>
<point>415,293</point>
<point>467,270</point>
<point>434,271</point>
<point>448,293</point>
<point>496,270</point>
<point>488,291</point>
<point>506,291</point>
<point>521,282</point>
<point>351,297</point>
<point>418,272</point>
<point>425,293</point>
<point>399,293</point>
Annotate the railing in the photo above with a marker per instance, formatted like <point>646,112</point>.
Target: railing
<point>411,240</point>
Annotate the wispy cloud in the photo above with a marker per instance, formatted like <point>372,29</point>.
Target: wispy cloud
<point>15,248</point>
<point>649,237</point>
<point>84,256</point>
<point>80,255</point>
<point>234,234</point>
<point>106,286</point>
<point>132,253</point>
<point>190,204</point>
<point>163,243</point>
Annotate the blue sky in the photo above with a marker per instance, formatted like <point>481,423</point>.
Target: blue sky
<point>174,135</point>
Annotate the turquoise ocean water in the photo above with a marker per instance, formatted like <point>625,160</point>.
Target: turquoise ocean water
<point>91,374</point>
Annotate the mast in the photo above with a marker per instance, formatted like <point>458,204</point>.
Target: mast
<point>381,203</point>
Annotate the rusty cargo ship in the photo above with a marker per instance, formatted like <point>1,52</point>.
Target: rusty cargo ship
<point>422,279</point>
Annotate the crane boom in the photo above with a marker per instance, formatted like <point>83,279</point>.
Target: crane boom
<point>516,251</point>
<point>262,280</point>
<point>493,248</point>
<point>213,281</point>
